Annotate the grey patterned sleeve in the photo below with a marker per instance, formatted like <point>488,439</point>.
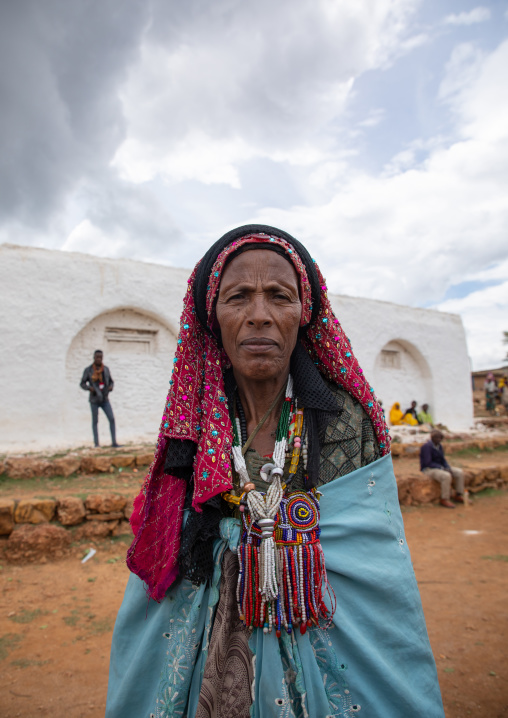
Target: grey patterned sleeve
<point>350,442</point>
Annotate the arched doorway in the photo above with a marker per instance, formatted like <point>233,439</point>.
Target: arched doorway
<point>402,374</point>
<point>138,349</point>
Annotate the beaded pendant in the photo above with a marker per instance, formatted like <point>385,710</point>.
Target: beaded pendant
<point>299,568</point>
<point>282,569</point>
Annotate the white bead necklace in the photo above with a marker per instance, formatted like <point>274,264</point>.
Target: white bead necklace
<point>264,508</point>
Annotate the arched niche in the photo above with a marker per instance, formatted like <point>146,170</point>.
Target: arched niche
<point>402,374</point>
<point>138,349</point>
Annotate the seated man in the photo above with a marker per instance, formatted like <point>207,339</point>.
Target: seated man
<point>434,464</point>
<point>424,416</point>
<point>411,415</point>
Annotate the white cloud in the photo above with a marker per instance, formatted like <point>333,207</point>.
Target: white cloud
<point>113,128</point>
<point>408,234</point>
<point>478,14</point>
<point>376,116</point>
<point>258,86</point>
<point>485,317</point>
<point>461,70</point>
<point>123,220</point>
<point>60,64</point>
<point>195,156</point>
<point>490,274</point>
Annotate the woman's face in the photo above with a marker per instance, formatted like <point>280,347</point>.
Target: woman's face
<point>259,310</point>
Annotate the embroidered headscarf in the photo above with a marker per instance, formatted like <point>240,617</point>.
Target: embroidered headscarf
<point>196,412</point>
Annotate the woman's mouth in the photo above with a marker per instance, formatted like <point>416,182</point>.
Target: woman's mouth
<point>258,344</point>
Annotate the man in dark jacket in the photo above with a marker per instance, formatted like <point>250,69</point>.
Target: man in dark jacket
<point>434,464</point>
<point>98,382</point>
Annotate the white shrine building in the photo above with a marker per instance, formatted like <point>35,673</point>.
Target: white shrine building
<point>58,307</point>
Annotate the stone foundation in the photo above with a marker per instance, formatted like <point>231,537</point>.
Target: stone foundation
<point>450,447</point>
<point>28,467</point>
<point>34,528</point>
<point>419,489</point>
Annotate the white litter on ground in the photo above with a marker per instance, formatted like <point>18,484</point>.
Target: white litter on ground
<point>91,553</point>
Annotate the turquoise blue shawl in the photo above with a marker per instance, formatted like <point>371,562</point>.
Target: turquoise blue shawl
<point>374,661</point>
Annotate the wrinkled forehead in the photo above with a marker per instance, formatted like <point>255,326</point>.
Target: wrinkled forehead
<point>259,241</point>
<point>247,265</point>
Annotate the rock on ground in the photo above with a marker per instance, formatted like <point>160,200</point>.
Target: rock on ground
<point>144,459</point>
<point>95,530</point>
<point>129,508</point>
<point>66,465</point>
<point>123,460</point>
<point>24,467</point>
<point>33,543</point>
<point>71,510</point>
<point>6,516</point>
<point>34,511</point>
<point>105,503</point>
<point>112,516</point>
<point>123,529</point>
<point>95,464</point>
<point>418,489</point>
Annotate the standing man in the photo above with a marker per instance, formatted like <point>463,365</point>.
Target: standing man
<point>97,380</point>
<point>434,464</point>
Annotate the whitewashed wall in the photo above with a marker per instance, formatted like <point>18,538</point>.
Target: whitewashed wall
<point>58,307</point>
<point>434,363</point>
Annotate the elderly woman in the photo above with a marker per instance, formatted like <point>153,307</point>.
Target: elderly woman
<point>268,531</point>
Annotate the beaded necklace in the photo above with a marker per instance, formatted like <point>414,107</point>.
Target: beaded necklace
<point>282,570</point>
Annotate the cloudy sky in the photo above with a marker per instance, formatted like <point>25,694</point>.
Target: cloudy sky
<point>375,131</point>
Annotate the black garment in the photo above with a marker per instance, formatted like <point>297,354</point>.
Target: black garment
<point>432,457</point>
<point>98,395</point>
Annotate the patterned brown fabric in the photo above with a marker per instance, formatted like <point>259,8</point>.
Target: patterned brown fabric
<point>229,673</point>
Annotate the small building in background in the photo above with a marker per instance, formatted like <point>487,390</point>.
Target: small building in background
<point>59,307</point>
<point>479,377</point>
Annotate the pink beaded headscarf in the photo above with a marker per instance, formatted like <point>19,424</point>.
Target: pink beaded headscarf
<point>196,409</point>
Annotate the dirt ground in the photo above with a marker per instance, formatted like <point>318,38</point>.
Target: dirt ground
<point>56,619</point>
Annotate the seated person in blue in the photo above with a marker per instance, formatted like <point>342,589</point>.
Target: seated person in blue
<point>434,464</point>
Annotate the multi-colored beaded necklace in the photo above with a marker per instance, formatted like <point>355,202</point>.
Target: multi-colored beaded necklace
<point>282,570</point>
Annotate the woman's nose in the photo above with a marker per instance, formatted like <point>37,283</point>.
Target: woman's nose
<point>258,311</point>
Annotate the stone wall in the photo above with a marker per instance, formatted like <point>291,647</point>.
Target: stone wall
<point>418,489</point>
<point>37,528</point>
<point>27,467</point>
<point>410,353</point>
